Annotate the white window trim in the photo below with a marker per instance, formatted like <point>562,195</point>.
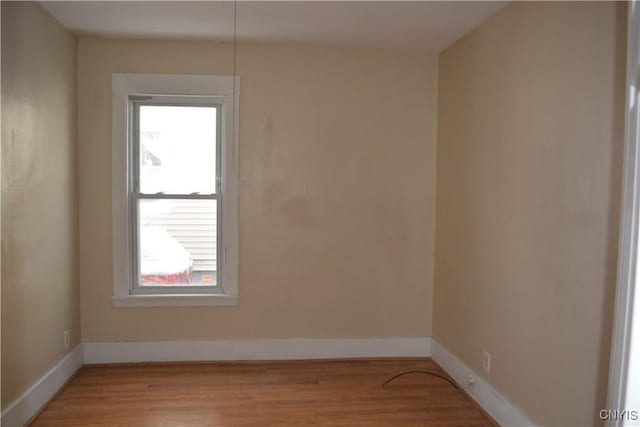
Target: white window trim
<point>123,85</point>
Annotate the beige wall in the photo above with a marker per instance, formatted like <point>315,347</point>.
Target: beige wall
<point>40,293</point>
<point>530,133</point>
<point>337,171</point>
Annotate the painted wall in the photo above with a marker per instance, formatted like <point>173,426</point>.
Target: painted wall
<point>40,292</point>
<point>337,183</point>
<point>530,134</point>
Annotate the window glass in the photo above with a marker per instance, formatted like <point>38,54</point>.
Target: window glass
<point>177,241</point>
<point>177,149</point>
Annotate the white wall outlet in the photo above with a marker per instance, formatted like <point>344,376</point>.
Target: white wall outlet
<point>471,379</point>
<point>67,341</point>
<point>486,361</point>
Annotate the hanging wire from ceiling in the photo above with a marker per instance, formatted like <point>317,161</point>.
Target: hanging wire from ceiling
<point>234,66</point>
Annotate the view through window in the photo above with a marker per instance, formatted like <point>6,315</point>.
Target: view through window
<point>176,192</point>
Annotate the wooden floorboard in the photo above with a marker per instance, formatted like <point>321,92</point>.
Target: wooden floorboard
<point>332,393</point>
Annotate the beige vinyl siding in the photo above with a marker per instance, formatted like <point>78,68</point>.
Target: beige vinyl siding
<point>193,224</point>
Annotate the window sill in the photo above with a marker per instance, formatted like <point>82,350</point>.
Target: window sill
<point>175,300</point>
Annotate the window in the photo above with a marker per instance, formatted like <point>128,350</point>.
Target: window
<point>174,190</point>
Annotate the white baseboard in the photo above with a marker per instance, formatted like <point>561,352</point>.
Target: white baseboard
<point>27,405</point>
<point>496,405</point>
<point>259,349</point>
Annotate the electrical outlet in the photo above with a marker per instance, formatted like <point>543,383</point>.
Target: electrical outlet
<point>486,361</point>
<point>471,379</point>
<point>66,339</point>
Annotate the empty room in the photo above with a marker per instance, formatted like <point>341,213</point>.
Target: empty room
<point>297,213</point>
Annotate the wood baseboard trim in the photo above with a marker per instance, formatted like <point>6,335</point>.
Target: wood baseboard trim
<point>254,350</point>
<point>498,407</point>
<point>250,362</point>
<point>32,401</point>
<point>53,397</point>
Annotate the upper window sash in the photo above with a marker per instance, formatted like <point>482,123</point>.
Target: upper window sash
<point>202,186</point>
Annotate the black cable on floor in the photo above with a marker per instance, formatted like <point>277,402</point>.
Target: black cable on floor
<point>421,372</point>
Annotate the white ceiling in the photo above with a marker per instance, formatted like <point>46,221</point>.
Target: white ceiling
<point>416,25</point>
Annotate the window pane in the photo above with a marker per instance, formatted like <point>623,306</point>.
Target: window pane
<point>177,240</point>
<point>177,149</point>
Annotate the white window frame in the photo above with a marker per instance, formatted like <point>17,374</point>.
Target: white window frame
<point>225,90</point>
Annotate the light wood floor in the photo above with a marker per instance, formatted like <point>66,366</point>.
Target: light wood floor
<point>336,393</point>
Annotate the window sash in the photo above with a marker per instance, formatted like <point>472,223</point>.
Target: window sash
<point>160,196</point>
<point>134,104</point>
